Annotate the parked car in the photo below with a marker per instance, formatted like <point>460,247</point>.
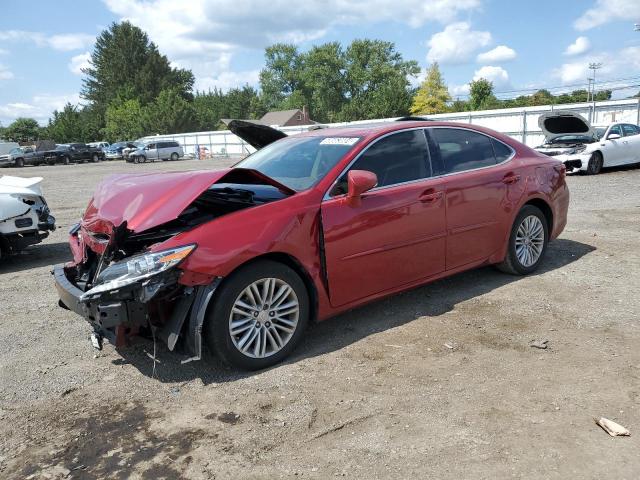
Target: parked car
<point>73,153</point>
<point>115,150</point>
<point>583,147</point>
<point>24,215</point>
<point>309,226</point>
<point>156,150</point>
<point>21,156</point>
<point>132,148</point>
<point>6,147</point>
<point>101,145</point>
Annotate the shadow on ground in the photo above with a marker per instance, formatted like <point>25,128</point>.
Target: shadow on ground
<point>35,256</point>
<point>432,300</point>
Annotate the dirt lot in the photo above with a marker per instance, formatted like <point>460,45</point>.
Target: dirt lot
<point>374,393</point>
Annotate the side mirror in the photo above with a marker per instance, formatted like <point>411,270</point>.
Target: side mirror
<point>613,136</point>
<point>359,181</point>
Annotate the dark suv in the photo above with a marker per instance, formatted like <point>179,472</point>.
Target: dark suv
<point>73,153</point>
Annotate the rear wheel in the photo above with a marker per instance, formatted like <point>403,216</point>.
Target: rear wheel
<point>595,164</point>
<point>174,156</point>
<point>527,242</point>
<point>258,316</point>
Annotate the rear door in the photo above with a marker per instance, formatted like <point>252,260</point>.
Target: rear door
<point>395,235</point>
<point>481,188</point>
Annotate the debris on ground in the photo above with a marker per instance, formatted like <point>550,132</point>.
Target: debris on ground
<point>612,428</point>
<point>541,344</point>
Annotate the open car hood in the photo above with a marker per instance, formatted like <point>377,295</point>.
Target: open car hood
<point>563,122</point>
<point>255,134</point>
<point>145,201</point>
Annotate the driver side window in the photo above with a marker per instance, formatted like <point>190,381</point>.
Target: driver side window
<point>398,158</point>
<point>615,130</point>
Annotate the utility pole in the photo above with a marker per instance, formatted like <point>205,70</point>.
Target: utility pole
<point>594,66</point>
<point>588,89</point>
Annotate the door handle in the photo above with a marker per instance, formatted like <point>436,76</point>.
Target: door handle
<point>510,179</point>
<point>430,196</point>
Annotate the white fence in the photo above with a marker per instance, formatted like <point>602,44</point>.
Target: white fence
<point>519,123</point>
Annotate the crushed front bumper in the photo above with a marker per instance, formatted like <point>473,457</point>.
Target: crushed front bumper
<point>158,303</point>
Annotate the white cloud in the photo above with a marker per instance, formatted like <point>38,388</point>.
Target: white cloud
<point>203,35</point>
<point>459,90</point>
<point>64,42</point>
<point>79,62</point>
<point>40,107</point>
<point>456,44</point>
<point>580,46</point>
<point>497,75</point>
<point>605,11</point>
<point>501,53</point>
<point>227,80</point>
<point>5,73</point>
<point>618,64</point>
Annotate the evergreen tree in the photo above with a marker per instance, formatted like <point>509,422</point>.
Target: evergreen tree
<point>433,95</point>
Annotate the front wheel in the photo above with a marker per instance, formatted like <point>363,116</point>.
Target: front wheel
<point>94,158</point>
<point>527,242</point>
<point>19,162</point>
<point>66,160</point>
<point>258,316</point>
<point>595,164</point>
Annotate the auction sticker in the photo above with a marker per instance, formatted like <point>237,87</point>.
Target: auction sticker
<point>339,140</point>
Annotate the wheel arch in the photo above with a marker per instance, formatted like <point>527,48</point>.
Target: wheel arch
<point>545,208</point>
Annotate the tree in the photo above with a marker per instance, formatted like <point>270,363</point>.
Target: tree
<point>280,76</point>
<point>169,113</point>
<point>480,94</point>
<point>66,126</point>
<point>23,130</point>
<point>433,95</point>
<point>124,121</point>
<point>125,64</point>
<point>324,81</point>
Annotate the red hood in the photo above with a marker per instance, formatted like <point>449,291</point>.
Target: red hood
<point>146,200</point>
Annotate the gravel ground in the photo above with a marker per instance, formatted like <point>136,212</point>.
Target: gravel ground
<point>438,382</point>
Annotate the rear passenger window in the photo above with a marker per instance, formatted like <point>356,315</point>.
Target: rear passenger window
<point>501,151</point>
<point>398,158</point>
<point>462,149</point>
<point>630,130</point>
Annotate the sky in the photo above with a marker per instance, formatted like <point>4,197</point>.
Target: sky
<point>519,45</point>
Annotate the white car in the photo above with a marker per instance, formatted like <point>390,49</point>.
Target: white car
<point>24,214</point>
<point>100,145</point>
<point>570,138</point>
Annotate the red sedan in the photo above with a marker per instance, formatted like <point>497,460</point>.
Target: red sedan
<point>241,260</point>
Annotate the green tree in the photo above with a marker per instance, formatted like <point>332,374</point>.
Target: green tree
<point>480,94</point>
<point>169,113</point>
<point>23,130</point>
<point>66,125</point>
<point>280,76</point>
<point>433,95</point>
<point>324,81</point>
<point>125,64</point>
<point>124,121</point>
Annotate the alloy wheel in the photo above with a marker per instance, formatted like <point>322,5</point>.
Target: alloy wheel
<point>264,317</point>
<point>529,241</point>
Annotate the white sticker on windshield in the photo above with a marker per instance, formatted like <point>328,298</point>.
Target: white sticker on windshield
<point>339,141</point>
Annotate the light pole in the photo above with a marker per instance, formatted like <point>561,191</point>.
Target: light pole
<point>594,66</point>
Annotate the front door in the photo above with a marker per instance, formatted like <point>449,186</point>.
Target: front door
<point>395,234</point>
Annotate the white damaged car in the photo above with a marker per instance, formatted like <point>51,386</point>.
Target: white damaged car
<point>24,215</point>
<point>570,138</point>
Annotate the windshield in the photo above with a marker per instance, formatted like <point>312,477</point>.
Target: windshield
<point>299,162</point>
<point>62,147</point>
<point>16,151</point>
<point>600,132</point>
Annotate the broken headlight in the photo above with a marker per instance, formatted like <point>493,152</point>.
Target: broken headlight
<point>578,149</point>
<point>137,268</point>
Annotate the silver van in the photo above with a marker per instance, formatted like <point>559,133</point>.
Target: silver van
<point>156,150</point>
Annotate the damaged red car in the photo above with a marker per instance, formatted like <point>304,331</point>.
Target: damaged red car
<point>241,260</point>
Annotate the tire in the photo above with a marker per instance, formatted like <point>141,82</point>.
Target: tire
<point>19,162</point>
<point>174,156</point>
<point>66,160</point>
<point>270,275</point>
<point>516,264</point>
<point>595,164</point>
<point>95,158</point>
